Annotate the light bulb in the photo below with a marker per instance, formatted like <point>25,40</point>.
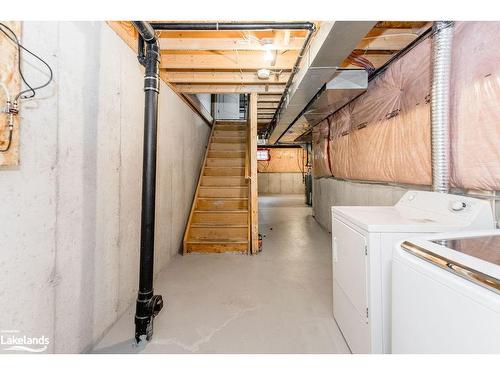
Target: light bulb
<point>268,55</point>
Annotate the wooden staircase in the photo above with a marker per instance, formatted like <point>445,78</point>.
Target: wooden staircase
<point>220,219</point>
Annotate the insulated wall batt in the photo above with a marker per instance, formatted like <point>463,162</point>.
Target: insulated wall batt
<point>475,110</point>
<point>384,135</point>
<point>320,150</point>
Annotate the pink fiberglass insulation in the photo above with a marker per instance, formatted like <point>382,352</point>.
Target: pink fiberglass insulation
<point>475,106</point>
<point>384,135</point>
<point>320,148</point>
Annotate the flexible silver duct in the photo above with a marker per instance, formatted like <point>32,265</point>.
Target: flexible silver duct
<point>440,105</point>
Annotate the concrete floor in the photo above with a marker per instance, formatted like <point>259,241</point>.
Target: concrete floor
<point>276,302</point>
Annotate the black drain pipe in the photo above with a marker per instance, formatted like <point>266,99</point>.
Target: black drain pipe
<point>185,26</point>
<point>148,305</point>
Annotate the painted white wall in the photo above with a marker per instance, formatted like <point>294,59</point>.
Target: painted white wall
<point>227,106</point>
<point>70,213</point>
<point>206,101</point>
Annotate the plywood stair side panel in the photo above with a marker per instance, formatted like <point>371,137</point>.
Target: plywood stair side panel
<point>218,221</point>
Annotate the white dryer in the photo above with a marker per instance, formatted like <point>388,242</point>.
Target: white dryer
<point>446,294</point>
<point>363,240</point>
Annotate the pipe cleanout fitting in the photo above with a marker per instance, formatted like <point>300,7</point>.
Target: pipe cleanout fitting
<point>440,105</point>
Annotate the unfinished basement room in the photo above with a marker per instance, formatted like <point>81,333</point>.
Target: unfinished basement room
<point>314,183</point>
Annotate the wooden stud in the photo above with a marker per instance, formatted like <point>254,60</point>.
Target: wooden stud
<point>253,173</point>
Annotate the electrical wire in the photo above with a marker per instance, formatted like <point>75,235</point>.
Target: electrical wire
<point>13,37</point>
<point>32,90</point>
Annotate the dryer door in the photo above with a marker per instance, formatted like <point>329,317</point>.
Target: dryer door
<point>350,300</point>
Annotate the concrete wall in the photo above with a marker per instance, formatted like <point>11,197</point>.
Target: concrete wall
<point>206,101</point>
<point>329,192</point>
<point>70,213</point>
<point>280,183</point>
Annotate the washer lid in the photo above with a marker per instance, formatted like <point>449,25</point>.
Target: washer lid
<point>395,219</point>
<point>482,270</point>
<point>419,211</point>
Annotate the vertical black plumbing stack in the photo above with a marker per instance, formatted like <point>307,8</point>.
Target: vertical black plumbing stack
<point>148,305</point>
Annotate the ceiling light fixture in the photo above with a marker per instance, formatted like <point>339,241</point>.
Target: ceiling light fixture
<point>263,73</point>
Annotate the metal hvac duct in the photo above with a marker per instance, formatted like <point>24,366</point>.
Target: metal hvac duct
<point>440,105</point>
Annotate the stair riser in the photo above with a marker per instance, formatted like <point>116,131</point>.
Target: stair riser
<point>233,128</point>
<point>220,204</point>
<point>220,218</point>
<point>222,181</point>
<point>222,234</point>
<point>223,193</point>
<point>227,147</point>
<point>218,162</point>
<point>236,140</point>
<point>216,248</point>
<point>226,154</point>
<point>226,171</point>
<point>230,133</point>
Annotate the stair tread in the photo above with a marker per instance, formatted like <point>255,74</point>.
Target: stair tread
<point>222,211</point>
<point>224,198</point>
<point>224,187</point>
<point>217,241</point>
<point>218,225</point>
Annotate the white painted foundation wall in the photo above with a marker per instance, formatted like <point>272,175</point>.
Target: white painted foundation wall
<point>280,183</point>
<point>329,192</point>
<point>70,214</point>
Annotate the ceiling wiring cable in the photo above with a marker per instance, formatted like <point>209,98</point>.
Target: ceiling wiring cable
<point>13,37</point>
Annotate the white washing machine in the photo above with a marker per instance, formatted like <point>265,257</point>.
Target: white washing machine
<point>363,241</point>
<point>446,294</point>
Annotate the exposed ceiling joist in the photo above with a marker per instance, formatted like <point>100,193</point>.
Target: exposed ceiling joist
<point>221,34</point>
<point>400,24</point>
<point>228,44</point>
<point>222,77</point>
<point>387,39</point>
<point>268,98</point>
<point>228,89</point>
<point>261,105</point>
<point>227,60</point>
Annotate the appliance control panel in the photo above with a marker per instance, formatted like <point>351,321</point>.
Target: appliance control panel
<point>465,208</point>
